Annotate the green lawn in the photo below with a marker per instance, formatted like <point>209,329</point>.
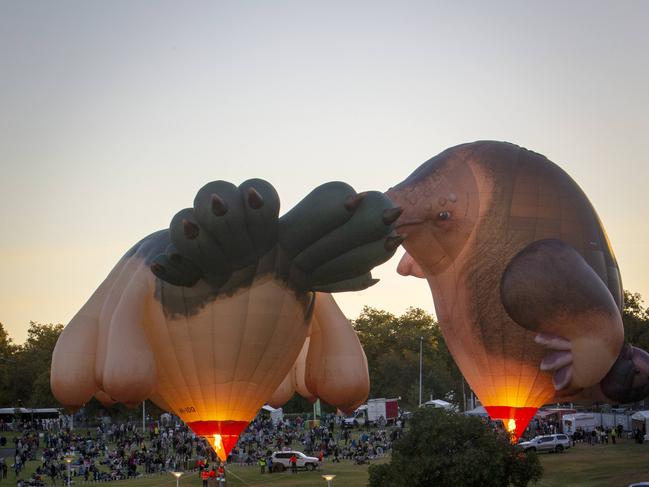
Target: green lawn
<point>349,474</point>
<point>592,466</point>
<point>346,473</point>
<point>597,466</point>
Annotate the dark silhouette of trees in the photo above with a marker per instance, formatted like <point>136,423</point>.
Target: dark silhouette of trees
<point>442,448</point>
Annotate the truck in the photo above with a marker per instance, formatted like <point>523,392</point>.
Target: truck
<point>585,421</point>
<point>373,411</point>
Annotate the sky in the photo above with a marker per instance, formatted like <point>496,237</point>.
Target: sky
<point>113,114</point>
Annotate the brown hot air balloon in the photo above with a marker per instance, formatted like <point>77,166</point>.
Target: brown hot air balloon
<point>518,263</point>
<point>208,317</point>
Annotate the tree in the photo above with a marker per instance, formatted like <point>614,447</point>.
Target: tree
<point>636,320</point>
<point>391,345</point>
<point>29,366</point>
<point>443,448</point>
<point>7,350</point>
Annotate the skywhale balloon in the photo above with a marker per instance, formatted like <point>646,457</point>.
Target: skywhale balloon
<point>332,365</point>
<point>209,316</point>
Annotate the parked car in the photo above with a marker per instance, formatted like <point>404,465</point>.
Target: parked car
<point>281,460</point>
<point>549,443</point>
<point>356,419</point>
<point>639,484</point>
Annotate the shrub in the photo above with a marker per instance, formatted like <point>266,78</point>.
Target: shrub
<point>447,449</point>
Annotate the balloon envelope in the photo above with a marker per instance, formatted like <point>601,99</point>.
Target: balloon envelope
<point>208,317</point>
<point>215,369</point>
<point>469,213</point>
<point>336,366</point>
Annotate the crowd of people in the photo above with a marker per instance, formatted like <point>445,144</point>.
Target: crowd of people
<point>329,440</point>
<point>599,435</point>
<point>112,452</point>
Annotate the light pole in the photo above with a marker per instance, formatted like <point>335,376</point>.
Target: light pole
<point>68,460</point>
<point>177,475</point>
<point>328,478</point>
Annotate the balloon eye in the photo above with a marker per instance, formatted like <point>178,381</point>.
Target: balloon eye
<point>444,215</point>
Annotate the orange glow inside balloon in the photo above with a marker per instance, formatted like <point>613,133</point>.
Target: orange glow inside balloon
<point>221,435</point>
<point>514,419</point>
<point>216,442</point>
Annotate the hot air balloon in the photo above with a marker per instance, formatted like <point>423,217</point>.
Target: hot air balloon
<point>294,381</point>
<point>336,365</point>
<point>526,288</point>
<point>332,365</point>
<point>208,317</point>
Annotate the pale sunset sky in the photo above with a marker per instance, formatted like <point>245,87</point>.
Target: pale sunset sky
<point>113,114</point>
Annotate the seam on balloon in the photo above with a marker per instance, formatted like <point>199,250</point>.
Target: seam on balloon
<point>193,357</point>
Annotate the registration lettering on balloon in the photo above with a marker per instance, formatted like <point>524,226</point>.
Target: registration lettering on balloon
<point>209,317</point>
<point>526,288</point>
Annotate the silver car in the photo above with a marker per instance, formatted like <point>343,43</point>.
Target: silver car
<point>549,443</point>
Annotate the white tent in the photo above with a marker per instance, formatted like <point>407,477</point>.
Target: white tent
<point>276,414</point>
<point>639,419</point>
<point>478,411</point>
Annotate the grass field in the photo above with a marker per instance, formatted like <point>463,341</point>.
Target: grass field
<point>597,466</point>
<point>592,466</point>
<point>349,474</point>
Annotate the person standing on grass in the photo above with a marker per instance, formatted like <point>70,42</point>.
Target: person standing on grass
<point>293,462</point>
<point>18,462</point>
<point>205,476</point>
<point>613,435</point>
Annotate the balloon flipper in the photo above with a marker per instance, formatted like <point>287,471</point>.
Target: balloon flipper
<point>391,215</point>
<point>392,243</point>
<point>190,229</point>
<point>219,206</point>
<point>255,200</point>
<point>353,202</point>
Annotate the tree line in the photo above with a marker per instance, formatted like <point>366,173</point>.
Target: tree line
<point>25,369</point>
<point>392,345</point>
